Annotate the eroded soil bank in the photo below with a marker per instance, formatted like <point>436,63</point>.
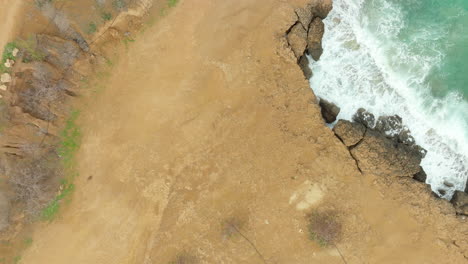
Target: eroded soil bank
<point>206,123</point>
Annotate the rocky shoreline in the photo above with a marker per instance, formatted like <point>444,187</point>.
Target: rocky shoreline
<point>384,146</point>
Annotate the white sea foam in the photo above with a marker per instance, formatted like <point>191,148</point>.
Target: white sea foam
<point>363,66</point>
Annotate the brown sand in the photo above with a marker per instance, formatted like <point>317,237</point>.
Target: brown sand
<point>207,120</point>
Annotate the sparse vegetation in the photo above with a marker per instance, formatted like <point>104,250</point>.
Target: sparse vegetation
<point>92,28</point>
<point>119,4</point>
<point>29,47</point>
<point>70,143</point>
<point>184,258</point>
<point>172,3</point>
<point>325,229</point>
<point>106,16</point>
<point>7,55</point>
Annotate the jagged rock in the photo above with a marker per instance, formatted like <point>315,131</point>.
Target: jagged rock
<point>297,39</point>
<point>406,138</point>
<point>349,132</point>
<point>364,117</point>
<point>329,110</point>
<point>314,38</point>
<point>304,64</point>
<point>320,8</point>
<point>460,202</point>
<point>59,52</point>
<point>5,78</point>
<point>390,125</point>
<point>4,211</point>
<point>305,16</point>
<point>421,176</point>
<point>379,155</point>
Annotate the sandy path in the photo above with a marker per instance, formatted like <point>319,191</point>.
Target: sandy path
<point>208,120</point>
<point>9,16</point>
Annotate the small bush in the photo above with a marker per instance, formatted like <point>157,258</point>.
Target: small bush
<point>106,16</point>
<point>324,228</point>
<point>119,4</point>
<point>92,28</point>
<point>184,258</point>
<point>172,3</point>
<point>29,47</point>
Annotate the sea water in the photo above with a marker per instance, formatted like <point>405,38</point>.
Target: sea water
<point>404,57</point>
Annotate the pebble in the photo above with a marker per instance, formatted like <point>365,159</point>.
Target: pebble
<point>9,63</point>
<point>3,87</point>
<point>5,78</point>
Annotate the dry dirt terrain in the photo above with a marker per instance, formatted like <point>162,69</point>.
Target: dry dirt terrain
<point>207,146</point>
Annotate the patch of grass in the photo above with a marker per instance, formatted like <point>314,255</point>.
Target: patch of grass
<point>7,55</point>
<point>127,40</point>
<point>16,259</point>
<point>119,4</point>
<point>172,3</point>
<point>106,16</point>
<point>92,28</point>
<point>324,228</point>
<point>71,137</point>
<point>29,46</point>
<point>28,242</point>
<point>50,212</point>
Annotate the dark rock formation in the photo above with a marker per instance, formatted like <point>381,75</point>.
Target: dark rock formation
<point>329,110</point>
<point>379,155</point>
<point>390,125</point>
<point>314,38</point>
<point>349,132</point>
<point>304,65</point>
<point>421,176</point>
<point>305,35</point>
<point>364,117</point>
<point>460,202</point>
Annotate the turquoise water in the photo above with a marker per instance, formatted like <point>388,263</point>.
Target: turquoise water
<point>405,57</point>
<point>436,31</point>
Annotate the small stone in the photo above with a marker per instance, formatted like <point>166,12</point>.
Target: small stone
<point>448,184</point>
<point>15,52</point>
<point>5,78</point>
<point>329,110</point>
<point>460,202</point>
<point>8,63</point>
<point>420,176</point>
<point>3,87</point>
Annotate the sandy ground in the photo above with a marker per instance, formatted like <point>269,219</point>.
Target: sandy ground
<point>9,16</point>
<point>207,120</point>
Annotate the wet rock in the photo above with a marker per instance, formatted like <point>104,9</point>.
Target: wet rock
<point>466,187</point>
<point>5,78</point>
<point>421,176</point>
<point>448,184</point>
<point>329,110</point>
<point>304,64</point>
<point>320,8</point>
<point>379,155</point>
<point>460,202</point>
<point>364,117</point>
<point>297,39</point>
<point>314,38</point>
<point>390,125</point>
<point>4,211</point>
<point>405,137</point>
<point>349,132</point>
<point>59,52</point>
